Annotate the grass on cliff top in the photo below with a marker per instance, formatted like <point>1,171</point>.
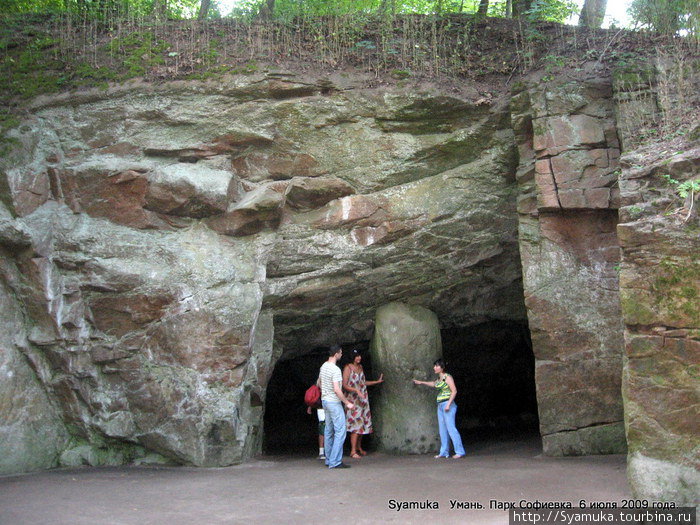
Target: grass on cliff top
<point>42,54</point>
<point>45,54</point>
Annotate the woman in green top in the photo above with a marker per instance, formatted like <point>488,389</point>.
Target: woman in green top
<point>446,411</point>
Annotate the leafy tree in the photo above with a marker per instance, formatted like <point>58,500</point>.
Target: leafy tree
<point>550,10</point>
<point>532,10</point>
<point>667,16</point>
<point>520,7</point>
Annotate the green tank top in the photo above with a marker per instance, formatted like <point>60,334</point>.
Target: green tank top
<point>443,388</point>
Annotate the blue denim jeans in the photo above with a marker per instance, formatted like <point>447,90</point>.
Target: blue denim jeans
<point>335,432</point>
<point>448,430</point>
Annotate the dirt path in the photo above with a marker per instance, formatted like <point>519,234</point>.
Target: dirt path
<point>300,490</point>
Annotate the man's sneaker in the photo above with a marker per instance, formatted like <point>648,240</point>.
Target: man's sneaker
<point>341,465</point>
<point>321,456</point>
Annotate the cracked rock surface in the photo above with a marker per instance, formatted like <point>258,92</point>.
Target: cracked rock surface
<point>174,240</point>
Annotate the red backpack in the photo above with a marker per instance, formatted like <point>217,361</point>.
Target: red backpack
<point>312,397</point>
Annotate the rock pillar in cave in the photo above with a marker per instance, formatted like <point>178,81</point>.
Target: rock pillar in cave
<point>406,342</point>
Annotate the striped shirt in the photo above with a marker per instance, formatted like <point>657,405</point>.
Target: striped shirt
<point>329,373</point>
<point>444,391</point>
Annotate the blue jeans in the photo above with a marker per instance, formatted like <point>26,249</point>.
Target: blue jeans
<point>448,430</point>
<point>335,432</point>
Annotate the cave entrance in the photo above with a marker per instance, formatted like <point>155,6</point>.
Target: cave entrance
<point>494,369</point>
<point>287,428</point>
<point>493,366</point>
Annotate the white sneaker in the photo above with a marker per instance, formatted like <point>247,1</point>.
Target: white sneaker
<point>321,456</point>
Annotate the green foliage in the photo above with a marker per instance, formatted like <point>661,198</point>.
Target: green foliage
<point>635,212</point>
<point>686,189</point>
<point>625,59</point>
<point>92,42</point>
<point>29,67</point>
<point>7,122</point>
<point>552,63</point>
<point>110,10</point>
<point>86,74</point>
<point>400,74</point>
<point>246,8</point>
<point>103,9</point>
<point>689,187</point>
<point>44,55</point>
<point>667,16</point>
<point>551,10</point>
<point>669,179</point>
<point>138,52</point>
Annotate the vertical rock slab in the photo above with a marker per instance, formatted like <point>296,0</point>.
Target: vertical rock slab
<point>567,211</point>
<point>32,434</point>
<point>660,291</point>
<point>662,343</point>
<point>574,322</point>
<point>406,342</point>
<point>264,355</point>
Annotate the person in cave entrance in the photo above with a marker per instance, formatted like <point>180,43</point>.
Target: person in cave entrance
<point>360,417</point>
<point>321,416</point>
<point>446,411</point>
<point>330,380</point>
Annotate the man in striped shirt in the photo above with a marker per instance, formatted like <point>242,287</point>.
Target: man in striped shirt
<point>330,379</point>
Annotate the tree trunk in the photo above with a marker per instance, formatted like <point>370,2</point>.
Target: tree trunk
<point>509,8</point>
<point>387,7</point>
<point>160,9</point>
<point>483,7</point>
<point>203,9</point>
<point>266,10</point>
<point>520,7</point>
<point>592,13</point>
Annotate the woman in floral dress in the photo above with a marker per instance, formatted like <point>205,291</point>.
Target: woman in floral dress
<point>359,418</point>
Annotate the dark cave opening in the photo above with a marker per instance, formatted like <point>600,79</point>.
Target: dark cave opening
<point>492,364</point>
<point>494,370</point>
<point>288,428</point>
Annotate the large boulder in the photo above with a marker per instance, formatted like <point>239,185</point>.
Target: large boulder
<point>405,344</point>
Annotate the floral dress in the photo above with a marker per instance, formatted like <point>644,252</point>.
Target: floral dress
<point>359,418</point>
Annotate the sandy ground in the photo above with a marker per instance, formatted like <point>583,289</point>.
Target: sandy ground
<point>295,489</point>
